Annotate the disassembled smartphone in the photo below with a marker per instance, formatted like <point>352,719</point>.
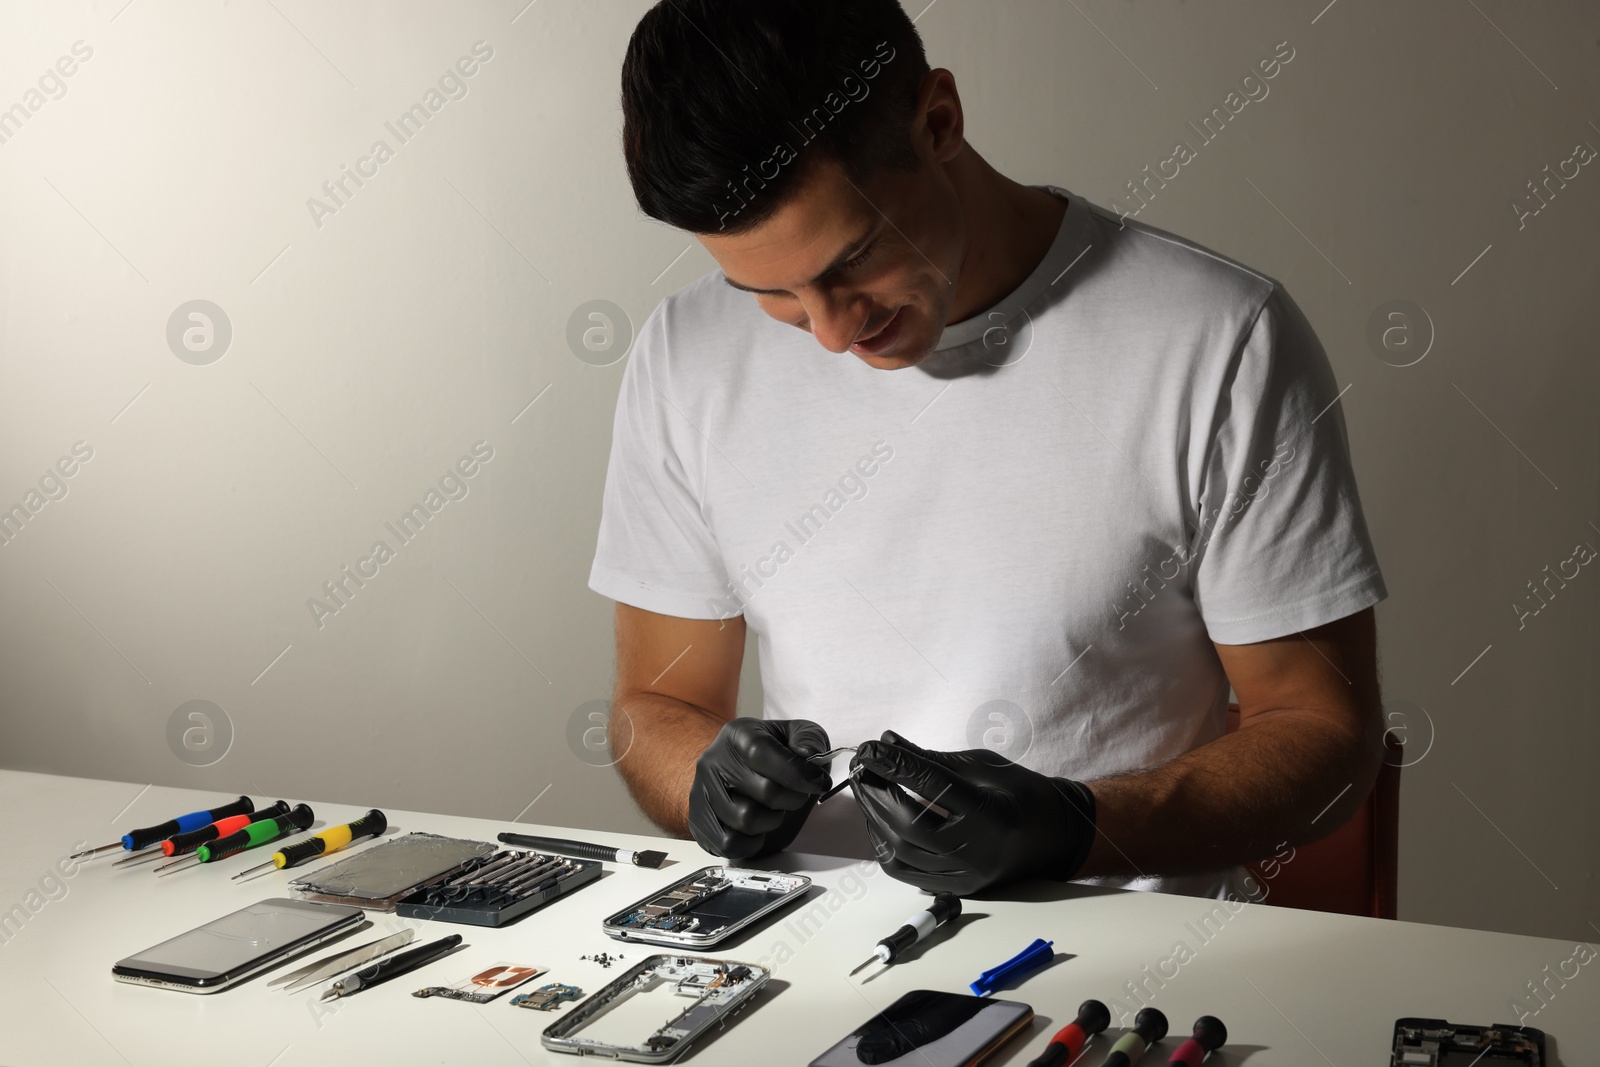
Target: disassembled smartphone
<point>228,950</point>
<point>705,908</point>
<point>1436,1043</point>
<point>623,1020</point>
<point>929,1028</point>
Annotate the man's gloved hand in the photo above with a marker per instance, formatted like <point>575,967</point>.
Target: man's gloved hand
<point>1004,820</point>
<point>753,787</point>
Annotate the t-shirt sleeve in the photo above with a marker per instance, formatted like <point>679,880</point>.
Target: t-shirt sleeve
<point>655,550</point>
<point>1283,543</point>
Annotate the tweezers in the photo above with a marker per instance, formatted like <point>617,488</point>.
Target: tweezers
<point>313,973</point>
<point>827,757</point>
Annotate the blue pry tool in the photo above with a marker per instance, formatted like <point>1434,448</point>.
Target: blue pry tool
<point>1031,958</point>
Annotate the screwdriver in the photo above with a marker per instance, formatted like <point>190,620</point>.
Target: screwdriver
<point>1149,1026</point>
<point>945,906</point>
<point>1093,1017</point>
<point>143,838</point>
<point>257,833</point>
<point>332,839</point>
<point>183,844</point>
<point>1209,1035</point>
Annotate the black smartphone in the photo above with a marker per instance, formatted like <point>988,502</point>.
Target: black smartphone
<point>929,1028</point>
<point>228,950</point>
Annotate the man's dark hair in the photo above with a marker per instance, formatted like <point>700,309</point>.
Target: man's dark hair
<point>726,103</point>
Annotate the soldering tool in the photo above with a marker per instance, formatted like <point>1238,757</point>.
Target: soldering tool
<point>143,838</point>
<point>1149,1026</point>
<point>1093,1017</point>
<point>332,839</point>
<point>257,833</point>
<point>183,844</point>
<point>1209,1035</point>
<point>945,906</point>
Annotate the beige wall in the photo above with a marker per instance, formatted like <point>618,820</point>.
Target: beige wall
<point>373,346</point>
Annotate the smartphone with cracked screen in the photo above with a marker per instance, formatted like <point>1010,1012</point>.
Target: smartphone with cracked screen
<point>228,950</point>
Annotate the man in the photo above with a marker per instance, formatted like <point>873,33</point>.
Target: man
<point>1038,487</point>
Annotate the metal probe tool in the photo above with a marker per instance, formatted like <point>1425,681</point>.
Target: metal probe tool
<point>332,839</point>
<point>144,837</point>
<point>945,906</point>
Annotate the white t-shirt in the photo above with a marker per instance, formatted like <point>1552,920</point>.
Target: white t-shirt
<point>1029,540</point>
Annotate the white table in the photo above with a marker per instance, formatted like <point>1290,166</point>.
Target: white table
<point>1293,987</point>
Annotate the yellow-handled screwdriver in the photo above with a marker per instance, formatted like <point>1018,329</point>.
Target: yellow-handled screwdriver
<point>332,839</point>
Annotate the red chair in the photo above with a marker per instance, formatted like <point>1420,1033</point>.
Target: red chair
<point>1355,869</point>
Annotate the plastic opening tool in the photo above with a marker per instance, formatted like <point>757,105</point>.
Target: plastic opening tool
<point>1031,958</point>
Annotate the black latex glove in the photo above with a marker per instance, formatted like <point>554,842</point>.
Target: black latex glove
<point>753,787</point>
<point>1005,821</point>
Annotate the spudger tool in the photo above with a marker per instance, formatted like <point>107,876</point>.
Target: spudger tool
<point>1031,958</point>
<point>945,906</point>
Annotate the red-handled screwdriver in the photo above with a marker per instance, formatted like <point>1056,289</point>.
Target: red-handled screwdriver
<point>1209,1035</point>
<point>183,844</point>
<point>135,840</point>
<point>1093,1017</point>
<point>257,833</point>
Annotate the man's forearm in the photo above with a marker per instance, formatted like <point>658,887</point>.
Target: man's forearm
<point>659,739</point>
<point>1287,776</point>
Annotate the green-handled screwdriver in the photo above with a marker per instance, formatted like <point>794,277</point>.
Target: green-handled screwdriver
<point>257,833</point>
<point>332,839</point>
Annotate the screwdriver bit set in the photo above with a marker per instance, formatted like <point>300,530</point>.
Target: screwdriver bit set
<point>499,888</point>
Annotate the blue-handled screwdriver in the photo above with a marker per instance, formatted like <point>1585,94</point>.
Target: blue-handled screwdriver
<point>134,840</point>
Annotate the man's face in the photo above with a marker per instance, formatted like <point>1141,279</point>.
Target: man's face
<point>844,262</point>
